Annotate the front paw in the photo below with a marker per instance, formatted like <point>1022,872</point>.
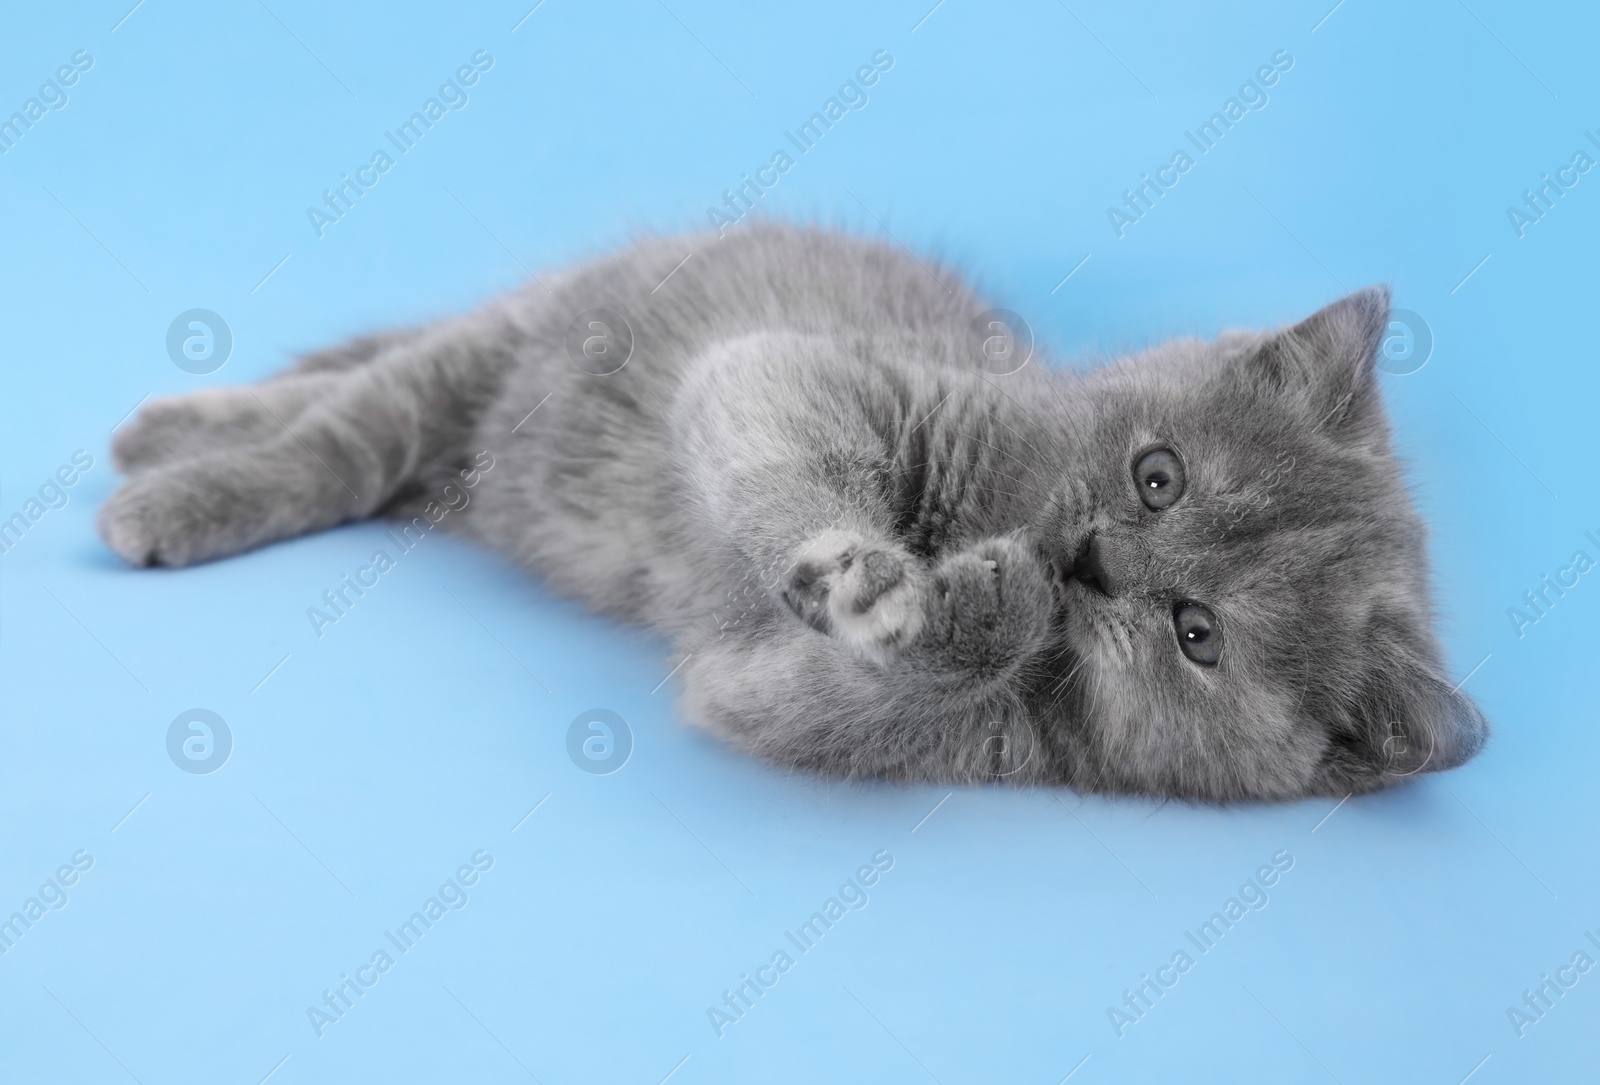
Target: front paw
<point>866,595</point>
<point>988,611</point>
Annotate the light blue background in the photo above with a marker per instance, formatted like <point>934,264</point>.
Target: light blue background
<point>378,757</point>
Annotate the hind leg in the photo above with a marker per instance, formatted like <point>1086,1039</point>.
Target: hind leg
<point>357,439</point>
<point>351,353</point>
<point>238,495</point>
<point>214,419</point>
<point>200,423</point>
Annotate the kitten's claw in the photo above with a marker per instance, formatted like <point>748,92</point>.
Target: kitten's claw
<point>866,595</point>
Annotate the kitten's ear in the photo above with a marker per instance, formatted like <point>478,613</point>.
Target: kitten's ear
<point>1324,364</point>
<point>1406,719</point>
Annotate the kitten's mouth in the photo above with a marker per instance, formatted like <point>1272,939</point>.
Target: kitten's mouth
<point>1062,584</point>
<point>1093,622</point>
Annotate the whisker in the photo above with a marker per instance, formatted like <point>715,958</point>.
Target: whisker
<point>1019,406</point>
<point>1006,454</point>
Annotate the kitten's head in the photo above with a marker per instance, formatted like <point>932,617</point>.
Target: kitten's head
<point>1243,580</point>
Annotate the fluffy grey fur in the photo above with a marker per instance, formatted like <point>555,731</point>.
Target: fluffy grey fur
<point>880,558</point>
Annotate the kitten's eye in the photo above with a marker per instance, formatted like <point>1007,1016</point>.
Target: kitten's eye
<point>1159,476</point>
<point>1199,633</point>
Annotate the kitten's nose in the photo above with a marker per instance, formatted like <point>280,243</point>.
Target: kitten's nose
<point>1091,570</point>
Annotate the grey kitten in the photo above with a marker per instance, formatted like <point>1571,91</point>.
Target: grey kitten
<point>1193,572</point>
